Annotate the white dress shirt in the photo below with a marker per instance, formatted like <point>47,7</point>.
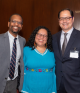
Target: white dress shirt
<point>18,53</point>
<point>68,36</point>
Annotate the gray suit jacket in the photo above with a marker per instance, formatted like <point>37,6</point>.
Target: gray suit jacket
<point>5,60</point>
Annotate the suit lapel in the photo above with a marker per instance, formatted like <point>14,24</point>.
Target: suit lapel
<point>59,46</point>
<point>71,41</point>
<point>21,45</point>
<point>7,46</point>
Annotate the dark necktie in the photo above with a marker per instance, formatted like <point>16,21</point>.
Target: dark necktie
<point>13,60</point>
<point>64,43</point>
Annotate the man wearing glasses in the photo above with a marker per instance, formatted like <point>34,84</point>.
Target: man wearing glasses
<point>11,56</point>
<point>66,46</point>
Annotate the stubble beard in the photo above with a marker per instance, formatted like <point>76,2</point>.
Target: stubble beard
<point>16,31</point>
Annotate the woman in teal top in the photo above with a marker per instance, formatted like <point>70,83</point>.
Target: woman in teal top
<point>39,63</point>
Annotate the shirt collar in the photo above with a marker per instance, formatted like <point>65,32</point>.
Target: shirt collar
<point>69,32</point>
<point>12,36</point>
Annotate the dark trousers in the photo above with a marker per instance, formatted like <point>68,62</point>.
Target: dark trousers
<point>62,88</point>
<point>11,86</point>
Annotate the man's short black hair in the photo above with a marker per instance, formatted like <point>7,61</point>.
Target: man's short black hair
<point>16,14</point>
<point>71,12</point>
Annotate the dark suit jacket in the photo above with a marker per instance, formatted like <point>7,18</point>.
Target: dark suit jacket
<point>5,60</point>
<point>67,67</point>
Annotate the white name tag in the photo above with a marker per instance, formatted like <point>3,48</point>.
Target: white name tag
<point>74,54</point>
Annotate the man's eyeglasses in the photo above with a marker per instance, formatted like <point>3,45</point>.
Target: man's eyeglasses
<point>65,18</point>
<point>40,35</point>
<point>19,23</point>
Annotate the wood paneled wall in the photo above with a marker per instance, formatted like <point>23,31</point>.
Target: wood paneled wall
<point>36,13</point>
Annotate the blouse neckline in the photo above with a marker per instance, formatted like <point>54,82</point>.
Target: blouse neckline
<point>41,53</point>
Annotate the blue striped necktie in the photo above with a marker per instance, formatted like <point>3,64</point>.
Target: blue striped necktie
<point>13,61</point>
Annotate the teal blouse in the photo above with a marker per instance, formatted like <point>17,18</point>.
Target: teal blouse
<point>39,71</point>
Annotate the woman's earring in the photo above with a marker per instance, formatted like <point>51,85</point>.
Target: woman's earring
<point>46,45</point>
<point>35,44</point>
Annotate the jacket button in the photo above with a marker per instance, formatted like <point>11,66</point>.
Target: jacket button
<point>5,78</point>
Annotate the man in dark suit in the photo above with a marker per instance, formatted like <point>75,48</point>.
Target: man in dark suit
<point>66,47</point>
<point>11,56</point>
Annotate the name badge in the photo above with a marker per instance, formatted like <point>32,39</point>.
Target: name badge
<point>74,54</point>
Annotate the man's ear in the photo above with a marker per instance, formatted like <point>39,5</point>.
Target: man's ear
<point>21,27</point>
<point>73,19</point>
<point>8,24</point>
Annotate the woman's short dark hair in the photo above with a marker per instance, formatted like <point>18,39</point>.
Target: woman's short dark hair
<point>31,40</point>
<point>71,12</point>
